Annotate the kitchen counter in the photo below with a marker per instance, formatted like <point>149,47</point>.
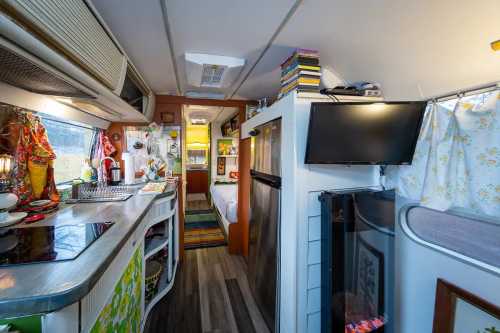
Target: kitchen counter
<point>46,287</point>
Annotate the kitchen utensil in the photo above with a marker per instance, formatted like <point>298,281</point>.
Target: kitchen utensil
<point>7,201</point>
<point>64,192</point>
<point>39,203</point>
<point>13,218</point>
<point>34,218</point>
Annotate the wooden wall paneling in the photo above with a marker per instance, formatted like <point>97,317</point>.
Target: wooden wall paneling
<point>171,110</point>
<point>119,128</point>
<point>197,181</point>
<point>180,195</point>
<point>240,243</point>
<point>181,100</point>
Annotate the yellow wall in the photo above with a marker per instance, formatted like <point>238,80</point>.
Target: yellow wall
<point>197,134</point>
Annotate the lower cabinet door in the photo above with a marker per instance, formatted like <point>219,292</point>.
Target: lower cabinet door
<point>122,313</point>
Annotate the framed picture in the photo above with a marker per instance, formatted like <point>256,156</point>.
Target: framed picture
<point>167,117</point>
<point>369,279</point>
<point>224,146</point>
<point>459,311</point>
<point>221,166</point>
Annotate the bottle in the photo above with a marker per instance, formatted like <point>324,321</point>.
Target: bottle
<point>115,174</point>
<point>86,172</point>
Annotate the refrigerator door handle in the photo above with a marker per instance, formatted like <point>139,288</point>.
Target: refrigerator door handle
<point>273,181</point>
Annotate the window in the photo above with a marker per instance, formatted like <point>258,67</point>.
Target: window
<point>197,156</point>
<point>71,143</point>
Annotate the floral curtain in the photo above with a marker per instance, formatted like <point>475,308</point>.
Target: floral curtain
<point>101,148</point>
<point>457,158</point>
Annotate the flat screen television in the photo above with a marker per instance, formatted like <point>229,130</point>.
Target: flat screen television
<point>363,133</point>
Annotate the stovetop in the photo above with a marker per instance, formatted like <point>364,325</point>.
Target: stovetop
<point>48,243</point>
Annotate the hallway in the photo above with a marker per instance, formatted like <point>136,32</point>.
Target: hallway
<point>210,294</point>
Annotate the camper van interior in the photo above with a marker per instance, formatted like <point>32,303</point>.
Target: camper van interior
<point>286,166</point>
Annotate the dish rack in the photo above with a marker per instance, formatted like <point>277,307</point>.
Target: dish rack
<point>100,192</point>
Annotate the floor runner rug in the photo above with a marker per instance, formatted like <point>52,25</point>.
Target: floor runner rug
<point>202,233</point>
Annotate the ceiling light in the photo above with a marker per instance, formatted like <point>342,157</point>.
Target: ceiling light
<point>496,45</point>
<point>198,121</point>
<point>209,95</point>
<point>198,107</point>
<point>64,100</point>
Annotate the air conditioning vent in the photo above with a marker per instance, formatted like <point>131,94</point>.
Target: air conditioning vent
<point>210,71</point>
<point>23,73</point>
<point>212,75</point>
<point>71,27</point>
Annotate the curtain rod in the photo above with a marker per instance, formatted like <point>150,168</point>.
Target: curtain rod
<point>466,92</point>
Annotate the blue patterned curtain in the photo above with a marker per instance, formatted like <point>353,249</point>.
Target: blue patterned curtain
<point>457,158</point>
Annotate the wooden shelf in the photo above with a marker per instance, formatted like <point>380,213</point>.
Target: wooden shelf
<point>234,156</point>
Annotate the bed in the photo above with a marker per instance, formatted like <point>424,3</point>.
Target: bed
<point>225,199</point>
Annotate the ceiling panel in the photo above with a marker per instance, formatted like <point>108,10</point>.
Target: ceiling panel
<point>139,28</point>
<point>223,27</point>
<point>415,49</point>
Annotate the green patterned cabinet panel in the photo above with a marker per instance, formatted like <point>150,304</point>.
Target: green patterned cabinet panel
<point>122,312</point>
<point>29,324</point>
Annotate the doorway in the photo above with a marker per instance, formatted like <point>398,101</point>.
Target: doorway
<point>201,228</point>
<point>197,167</point>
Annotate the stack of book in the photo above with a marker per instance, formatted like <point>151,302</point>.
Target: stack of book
<point>301,72</point>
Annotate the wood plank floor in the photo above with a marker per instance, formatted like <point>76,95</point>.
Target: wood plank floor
<point>197,202</point>
<point>210,294</point>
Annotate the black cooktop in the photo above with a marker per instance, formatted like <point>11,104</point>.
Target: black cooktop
<point>48,243</point>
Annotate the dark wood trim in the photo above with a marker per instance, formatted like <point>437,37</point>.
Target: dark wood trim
<point>243,192</point>
<point>169,99</point>
<point>444,309</point>
<point>180,206</point>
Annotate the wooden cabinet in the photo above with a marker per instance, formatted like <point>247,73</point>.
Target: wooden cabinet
<point>197,181</point>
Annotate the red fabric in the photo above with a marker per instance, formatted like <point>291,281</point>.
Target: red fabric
<point>33,144</point>
<point>104,148</point>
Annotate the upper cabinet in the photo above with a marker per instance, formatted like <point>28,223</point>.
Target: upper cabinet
<point>65,40</point>
<point>71,27</point>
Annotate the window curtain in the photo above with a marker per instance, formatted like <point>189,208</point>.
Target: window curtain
<point>101,147</point>
<point>457,157</point>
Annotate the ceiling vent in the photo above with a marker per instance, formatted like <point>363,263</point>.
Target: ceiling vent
<point>211,71</point>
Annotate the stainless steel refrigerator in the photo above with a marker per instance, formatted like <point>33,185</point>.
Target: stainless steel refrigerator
<point>263,260</point>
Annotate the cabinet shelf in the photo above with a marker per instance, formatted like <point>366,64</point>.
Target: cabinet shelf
<point>164,286</point>
<point>154,245</point>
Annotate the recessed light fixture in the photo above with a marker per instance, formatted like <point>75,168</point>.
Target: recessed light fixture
<point>64,100</point>
<point>198,121</point>
<point>496,45</point>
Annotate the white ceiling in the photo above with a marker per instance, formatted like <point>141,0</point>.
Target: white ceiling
<point>139,28</point>
<point>415,48</point>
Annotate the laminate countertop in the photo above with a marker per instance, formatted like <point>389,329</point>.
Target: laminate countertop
<point>47,287</point>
